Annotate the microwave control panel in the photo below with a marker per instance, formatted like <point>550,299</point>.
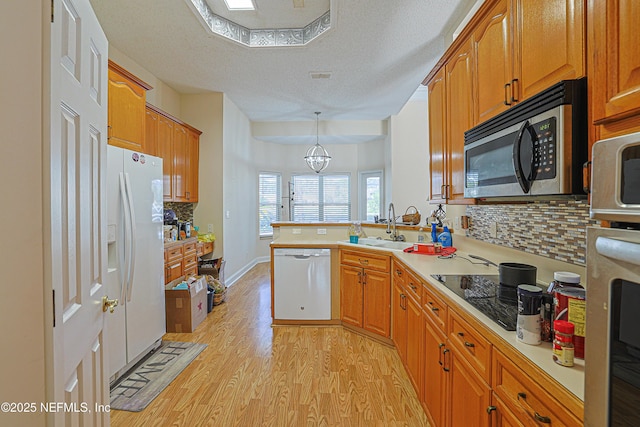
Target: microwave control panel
<point>545,149</point>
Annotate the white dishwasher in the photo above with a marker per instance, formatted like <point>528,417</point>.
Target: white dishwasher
<point>302,283</point>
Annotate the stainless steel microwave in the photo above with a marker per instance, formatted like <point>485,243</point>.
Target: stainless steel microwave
<point>536,148</point>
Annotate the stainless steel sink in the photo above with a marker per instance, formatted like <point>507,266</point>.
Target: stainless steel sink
<point>387,244</point>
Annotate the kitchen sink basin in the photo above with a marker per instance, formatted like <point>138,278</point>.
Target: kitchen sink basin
<point>388,244</point>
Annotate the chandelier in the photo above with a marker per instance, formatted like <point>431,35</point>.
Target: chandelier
<point>317,157</point>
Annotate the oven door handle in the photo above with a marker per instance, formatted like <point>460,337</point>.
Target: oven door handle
<point>524,181</point>
<point>620,250</point>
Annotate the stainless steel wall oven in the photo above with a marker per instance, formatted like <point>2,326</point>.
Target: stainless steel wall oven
<point>612,354</point>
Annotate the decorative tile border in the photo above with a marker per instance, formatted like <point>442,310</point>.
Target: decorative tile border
<point>555,229</point>
<point>275,37</point>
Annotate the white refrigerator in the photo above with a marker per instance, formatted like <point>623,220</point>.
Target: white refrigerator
<point>136,256</point>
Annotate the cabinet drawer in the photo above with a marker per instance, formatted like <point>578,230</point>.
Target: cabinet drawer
<point>173,270</point>
<point>173,253</point>
<point>208,247</point>
<point>414,287</point>
<point>471,344</point>
<point>526,398</point>
<point>435,308</point>
<point>189,249</point>
<point>366,260</point>
<point>191,270</point>
<point>190,261</point>
<point>398,273</point>
<point>200,249</point>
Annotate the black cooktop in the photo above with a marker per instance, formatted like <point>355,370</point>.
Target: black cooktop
<point>485,293</point>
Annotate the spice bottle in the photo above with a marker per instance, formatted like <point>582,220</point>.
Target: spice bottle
<point>563,342</point>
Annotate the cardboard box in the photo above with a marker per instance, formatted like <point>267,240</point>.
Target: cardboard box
<point>185,308</point>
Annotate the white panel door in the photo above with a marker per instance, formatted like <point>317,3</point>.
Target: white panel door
<point>75,163</point>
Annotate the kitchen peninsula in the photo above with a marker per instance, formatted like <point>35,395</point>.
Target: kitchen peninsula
<point>463,365</point>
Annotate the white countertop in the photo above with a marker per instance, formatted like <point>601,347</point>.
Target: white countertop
<point>572,378</point>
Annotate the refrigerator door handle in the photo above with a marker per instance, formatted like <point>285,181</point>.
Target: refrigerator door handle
<point>132,244</point>
<point>127,240</point>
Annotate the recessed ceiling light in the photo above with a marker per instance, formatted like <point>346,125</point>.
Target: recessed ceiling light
<point>240,4</point>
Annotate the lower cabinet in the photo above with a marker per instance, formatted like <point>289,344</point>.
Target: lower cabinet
<point>407,331</point>
<point>365,292</point>
<point>435,391</point>
<point>469,395</point>
<point>463,374</point>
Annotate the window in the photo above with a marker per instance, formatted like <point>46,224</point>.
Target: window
<point>269,189</point>
<point>321,198</point>
<point>370,195</point>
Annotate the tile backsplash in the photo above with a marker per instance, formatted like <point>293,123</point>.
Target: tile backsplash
<point>555,229</point>
<point>184,211</point>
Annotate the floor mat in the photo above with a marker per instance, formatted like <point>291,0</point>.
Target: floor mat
<point>145,381</point>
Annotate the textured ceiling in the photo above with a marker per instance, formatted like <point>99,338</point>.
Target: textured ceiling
<point>378,52</point>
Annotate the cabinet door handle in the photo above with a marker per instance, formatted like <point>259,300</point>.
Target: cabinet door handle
<point>364,277</point>
<point>360,277</point>
<point>440,353</point>
<point>435,309</point>
<point>490,409</point>
<point>586,177</point>
<point>514,90</point>
<point>399,272</point>
<point>363,261</point>
<point>469,344</point>
<point>507,87</point>
<point>444,357</point>
<point>522,399</point>
<point>413,287</point>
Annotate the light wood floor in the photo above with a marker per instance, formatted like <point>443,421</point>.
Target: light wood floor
<point>252,374</point>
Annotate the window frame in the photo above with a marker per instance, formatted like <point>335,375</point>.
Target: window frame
<point>321,206</point>
<point>362,192</point>
<point>277,204</point>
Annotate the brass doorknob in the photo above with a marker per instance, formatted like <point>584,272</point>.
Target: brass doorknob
<point>108,304</point>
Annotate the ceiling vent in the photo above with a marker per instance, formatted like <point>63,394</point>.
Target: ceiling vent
<point>319,75</point>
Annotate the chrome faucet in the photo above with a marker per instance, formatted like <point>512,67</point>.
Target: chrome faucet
<point>392,222</point>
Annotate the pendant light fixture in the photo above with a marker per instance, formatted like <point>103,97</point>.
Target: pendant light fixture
<point>317,157</point>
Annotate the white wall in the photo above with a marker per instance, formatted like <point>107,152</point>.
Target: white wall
<point>240,191</point>
<point>22,294</point>
<point>410,177</point>
<point>204,112</point>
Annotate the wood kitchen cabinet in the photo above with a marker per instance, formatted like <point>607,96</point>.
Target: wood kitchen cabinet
<point>406,319</point>
<point>459,76</point>
<point>126,109</point>
<point>614,69</point>
<point>450,115</point>
<point>525,398</point>
<point>522,47</point>
<point>173,257</point>
<point>435,390</point>
<point>165,150</point>
<point>178,144</point>
<point>365,291</point>
<point>437,137</point>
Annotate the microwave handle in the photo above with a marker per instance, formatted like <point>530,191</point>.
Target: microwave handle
<point>524,181</point>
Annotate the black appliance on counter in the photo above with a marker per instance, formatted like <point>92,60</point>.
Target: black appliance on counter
<point>486,294</point>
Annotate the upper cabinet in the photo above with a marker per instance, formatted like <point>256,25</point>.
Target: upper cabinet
<point>522,47</point>
<point>459,84</point>
<point>614,72</point>
<point>493,62</point>
<point>126,109</point>
<point>509,51</point>
<point>549,44</point>
<point>179,145</point>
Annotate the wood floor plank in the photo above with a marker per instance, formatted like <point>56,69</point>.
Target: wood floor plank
<point>253,374</point>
